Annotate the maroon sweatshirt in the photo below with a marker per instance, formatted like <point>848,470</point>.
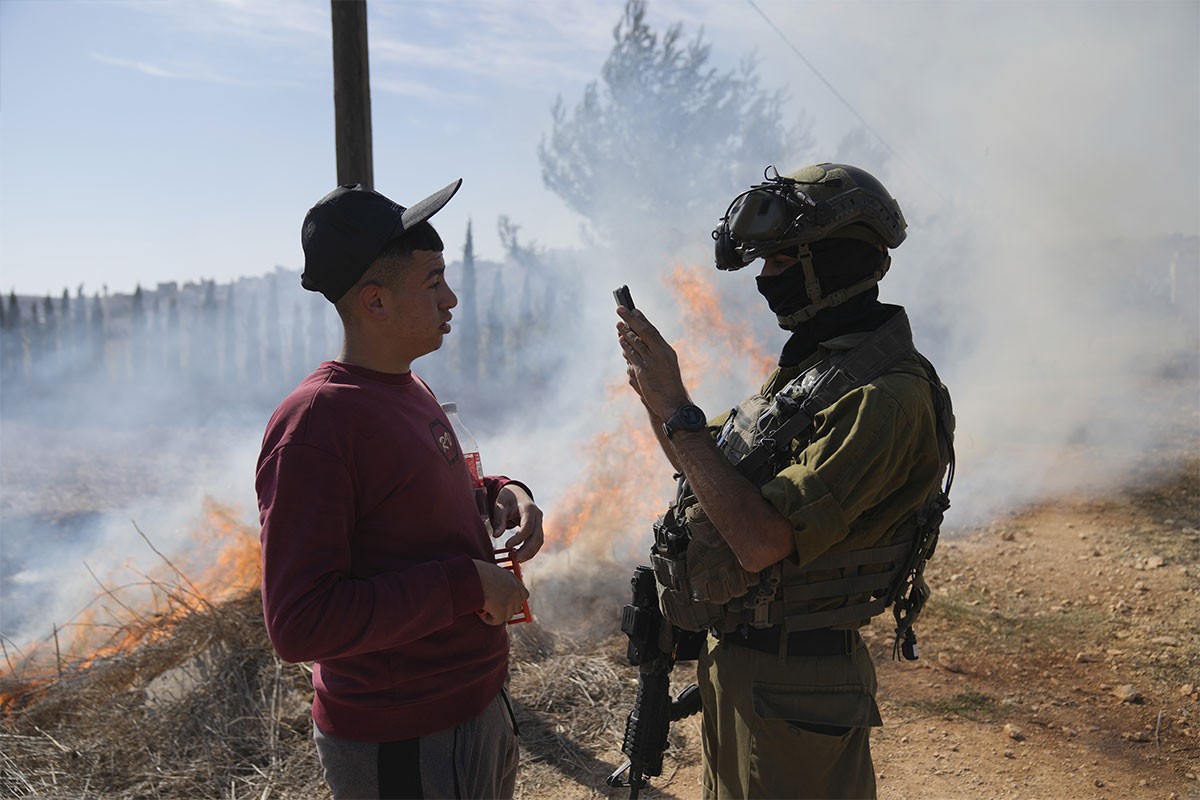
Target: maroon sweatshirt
<point>369,528</point>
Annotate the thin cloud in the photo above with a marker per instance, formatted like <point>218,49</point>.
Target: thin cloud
<point>266,22</point>
<point>414,89</point>
<point>191,72</point>
<point>518,44</point>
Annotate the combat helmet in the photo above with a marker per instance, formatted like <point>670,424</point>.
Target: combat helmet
<point>788,212</point>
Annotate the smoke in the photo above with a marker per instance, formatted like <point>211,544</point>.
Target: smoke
<point>1054,248</point>
<point>1047,160</point>
<point>79,498</point>
<point>121,414</point>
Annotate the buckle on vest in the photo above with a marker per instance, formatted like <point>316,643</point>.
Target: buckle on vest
<point>764,593</point>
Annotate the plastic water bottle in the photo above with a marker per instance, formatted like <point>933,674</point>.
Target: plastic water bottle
<point>470,453</point>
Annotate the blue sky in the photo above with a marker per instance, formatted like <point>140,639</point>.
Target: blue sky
<point>152,141</point>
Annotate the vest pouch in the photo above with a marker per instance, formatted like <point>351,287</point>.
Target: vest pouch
<point>714,575</point>
<point>670,573</point>
<point>740,432</point>
<point>695,584</point>
<point>683,612</point>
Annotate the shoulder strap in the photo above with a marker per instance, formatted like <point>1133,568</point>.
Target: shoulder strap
<point>885,347</point>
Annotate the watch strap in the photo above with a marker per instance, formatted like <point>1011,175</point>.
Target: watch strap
<point>679,421</point>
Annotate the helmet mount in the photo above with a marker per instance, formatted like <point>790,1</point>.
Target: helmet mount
<point>789,212</point>
<point>814,203</point>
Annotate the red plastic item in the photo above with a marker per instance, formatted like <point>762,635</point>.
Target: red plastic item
<point>504,557</point>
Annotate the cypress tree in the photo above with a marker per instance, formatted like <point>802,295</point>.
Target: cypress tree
<point>13,348</point>
<point>273,349</point>
<point>97,335</point>
<point>469,341</point>
<point>229,365</point>
<point>497,333</point>
<point>172,346</point>
<point>296,354</point>
<point>49,335</point>
<point>6,344</point>
<point>137,333</point>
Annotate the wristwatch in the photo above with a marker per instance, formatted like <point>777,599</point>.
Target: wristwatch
<point>687,417</point>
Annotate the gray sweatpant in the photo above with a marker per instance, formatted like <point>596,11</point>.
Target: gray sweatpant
<point>476,760</point>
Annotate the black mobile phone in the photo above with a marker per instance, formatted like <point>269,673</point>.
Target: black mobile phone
<point>623,297</point>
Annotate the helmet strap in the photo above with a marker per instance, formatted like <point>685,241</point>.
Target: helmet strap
<point>813,287</point>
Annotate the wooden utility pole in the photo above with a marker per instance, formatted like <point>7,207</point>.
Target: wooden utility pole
<point>352,92</point>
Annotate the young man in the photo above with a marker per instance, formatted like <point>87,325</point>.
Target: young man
<point>376,563</point>
<point>796,522</point>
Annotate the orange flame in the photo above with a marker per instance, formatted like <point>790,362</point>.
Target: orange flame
<point>224,561</point>
<point>609,511</point>
<point>713,342</point>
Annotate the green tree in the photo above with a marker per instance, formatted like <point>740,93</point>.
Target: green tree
<point>66,324</point>
<point>137,332</point>
<point>529,259</point>
<point>496,354</point>
<point>272,357</point>
<point>229,365</point>
<point>49,335</point>
<point>202,362</point>
<point>468,342</point>
<point>297,359</point>
<point>97,336</point>
<point>662,142</point>
<point>12,348</point>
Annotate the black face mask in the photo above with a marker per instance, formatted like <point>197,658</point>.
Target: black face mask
<point>785,292</point>
<point>839,263</point>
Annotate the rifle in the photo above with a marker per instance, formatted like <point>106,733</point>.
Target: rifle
<point>654,709</point>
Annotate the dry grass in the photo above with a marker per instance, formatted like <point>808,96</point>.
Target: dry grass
<point>208,711</point>
<point>204,709</point>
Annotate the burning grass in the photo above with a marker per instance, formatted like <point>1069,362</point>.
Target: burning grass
<point>204,710</point>
<point>187,699</point>
<point>163,686</point>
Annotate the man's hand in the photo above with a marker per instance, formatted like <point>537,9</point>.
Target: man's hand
<point>515,508</point>
<point>653,365</point>
<point>503,594</point>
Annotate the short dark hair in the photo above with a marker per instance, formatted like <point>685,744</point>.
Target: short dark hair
<point>388,266</point>
<point>421,237</point>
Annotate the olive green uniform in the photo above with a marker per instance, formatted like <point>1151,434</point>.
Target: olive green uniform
<point>791,726</point>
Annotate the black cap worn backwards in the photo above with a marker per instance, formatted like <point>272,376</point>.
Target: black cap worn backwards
<point>349,227</point>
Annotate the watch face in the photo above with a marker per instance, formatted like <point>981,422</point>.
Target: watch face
<point>691,416</point>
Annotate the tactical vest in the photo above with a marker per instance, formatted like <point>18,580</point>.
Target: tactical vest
<point>701,584</point>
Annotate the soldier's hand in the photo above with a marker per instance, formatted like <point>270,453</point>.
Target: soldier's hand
<point>653,365</point>
<point>503,594</point>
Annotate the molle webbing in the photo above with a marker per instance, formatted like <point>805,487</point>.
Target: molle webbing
<point>884,348</point>
<point>805,585</point>
<point>781,595</point>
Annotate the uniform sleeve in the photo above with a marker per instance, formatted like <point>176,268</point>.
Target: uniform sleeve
<point>862,451</point>
<point>313,605</point>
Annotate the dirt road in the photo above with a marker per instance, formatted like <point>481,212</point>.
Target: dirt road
<point>1060,659</point>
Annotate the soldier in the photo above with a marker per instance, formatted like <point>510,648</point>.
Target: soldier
<point>810,507</point>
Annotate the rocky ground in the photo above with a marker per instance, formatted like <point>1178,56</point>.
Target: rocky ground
<point>1060,658</point>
